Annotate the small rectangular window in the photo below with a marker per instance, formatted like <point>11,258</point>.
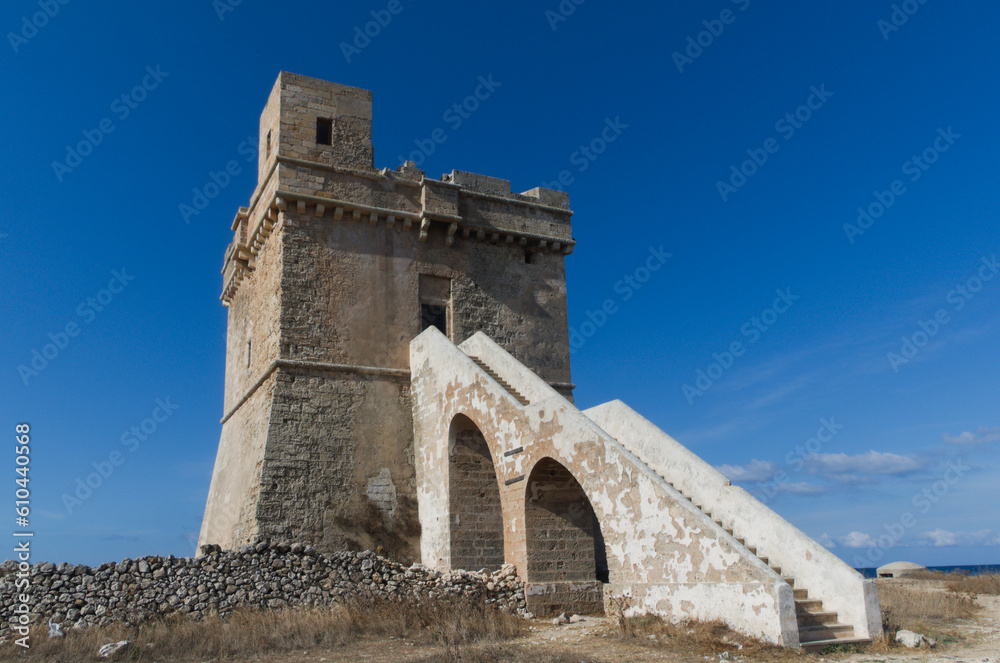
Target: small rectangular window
<point>435,296</point>
<point>324,131</point>
<point>432,315</point>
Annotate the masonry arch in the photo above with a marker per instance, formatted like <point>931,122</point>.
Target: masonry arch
<point>564,540</point>
<point>477,520</point>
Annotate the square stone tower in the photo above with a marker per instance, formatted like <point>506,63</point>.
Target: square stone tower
<point>334,267</point>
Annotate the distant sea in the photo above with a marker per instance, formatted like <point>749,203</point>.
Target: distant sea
<point>972,570</point>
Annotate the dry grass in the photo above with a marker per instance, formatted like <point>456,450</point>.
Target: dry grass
<point>501,653</point>
<point>692,638</point>
<point>985,583</point>
<point>453,624</point>
<point>919,606</point>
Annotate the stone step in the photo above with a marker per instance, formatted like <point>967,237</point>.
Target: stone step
<point>800,594</point>
<point>503,383</point>
<point>790,580</point>
<point>816,646</point>
<point>808,605</point>
<point>825,632</point>
<point>817,618</point>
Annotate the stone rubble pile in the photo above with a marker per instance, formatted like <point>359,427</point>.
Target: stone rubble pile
<point>259,575</point>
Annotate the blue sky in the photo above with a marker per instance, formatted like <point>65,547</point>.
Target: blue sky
<point>746,135</point>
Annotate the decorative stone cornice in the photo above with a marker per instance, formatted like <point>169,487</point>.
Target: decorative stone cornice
<point>438,203</point>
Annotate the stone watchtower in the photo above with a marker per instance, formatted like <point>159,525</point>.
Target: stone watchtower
<point>335,266</point>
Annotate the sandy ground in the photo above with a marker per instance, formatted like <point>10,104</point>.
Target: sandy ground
<point>979,641</point>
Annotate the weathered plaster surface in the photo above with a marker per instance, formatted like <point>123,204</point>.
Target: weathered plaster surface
<point>826,576</point>
<point>662,552</point>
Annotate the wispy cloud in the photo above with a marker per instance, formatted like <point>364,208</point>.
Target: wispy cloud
<point>861,467</point>
<point>857,540</point>
<point>943,538</point>
<point>981,436</point>
<point>826,541</point>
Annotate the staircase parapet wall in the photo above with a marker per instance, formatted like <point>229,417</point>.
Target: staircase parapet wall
<point>517,375</point>
<point>828,578</point>
<point>662,551</point>
<point>707,599</point>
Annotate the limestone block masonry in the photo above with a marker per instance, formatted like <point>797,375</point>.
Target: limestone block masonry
<point>334,267</point>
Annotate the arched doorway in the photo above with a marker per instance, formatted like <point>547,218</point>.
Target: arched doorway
<point>565,548</point>
<point>474,496</point>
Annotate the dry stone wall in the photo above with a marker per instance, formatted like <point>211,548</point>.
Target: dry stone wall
<point>254,576</point>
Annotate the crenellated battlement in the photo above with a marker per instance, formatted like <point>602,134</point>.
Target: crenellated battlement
<point>336,181</point>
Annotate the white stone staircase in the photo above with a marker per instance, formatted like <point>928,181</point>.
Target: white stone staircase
<point>817,627</point>
<point>833,603</point>
<point>820,599</point>
<point>499,380</point>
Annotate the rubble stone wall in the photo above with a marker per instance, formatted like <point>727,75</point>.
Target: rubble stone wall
<point>254,576</point>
